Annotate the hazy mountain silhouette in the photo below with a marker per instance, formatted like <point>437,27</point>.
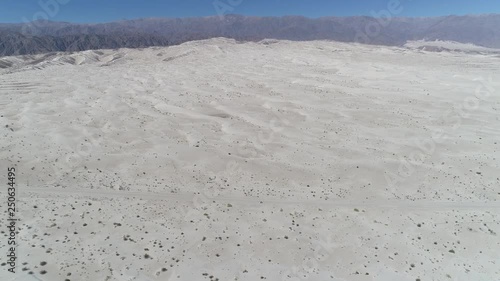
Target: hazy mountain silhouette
<point>47,36</point>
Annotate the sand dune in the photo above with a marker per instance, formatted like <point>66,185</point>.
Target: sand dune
<point>218,160</point>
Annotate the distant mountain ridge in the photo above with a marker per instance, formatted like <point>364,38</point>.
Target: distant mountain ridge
<point>47,36</point>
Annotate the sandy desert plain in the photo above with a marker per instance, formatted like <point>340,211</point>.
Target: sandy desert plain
<point>218,160</point>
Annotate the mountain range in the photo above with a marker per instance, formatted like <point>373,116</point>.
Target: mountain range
<point>48,36</point>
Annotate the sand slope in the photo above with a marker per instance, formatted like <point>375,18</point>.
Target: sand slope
<point>274,160</point>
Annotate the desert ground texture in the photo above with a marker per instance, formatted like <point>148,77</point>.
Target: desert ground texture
<point>275,160</point>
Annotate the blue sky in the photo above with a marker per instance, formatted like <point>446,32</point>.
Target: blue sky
<point>110,10</point>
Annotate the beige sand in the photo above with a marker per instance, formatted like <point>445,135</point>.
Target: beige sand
<point>277,160</point>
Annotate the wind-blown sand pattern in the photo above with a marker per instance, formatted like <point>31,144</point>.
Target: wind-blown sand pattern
<point>277,160</point>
